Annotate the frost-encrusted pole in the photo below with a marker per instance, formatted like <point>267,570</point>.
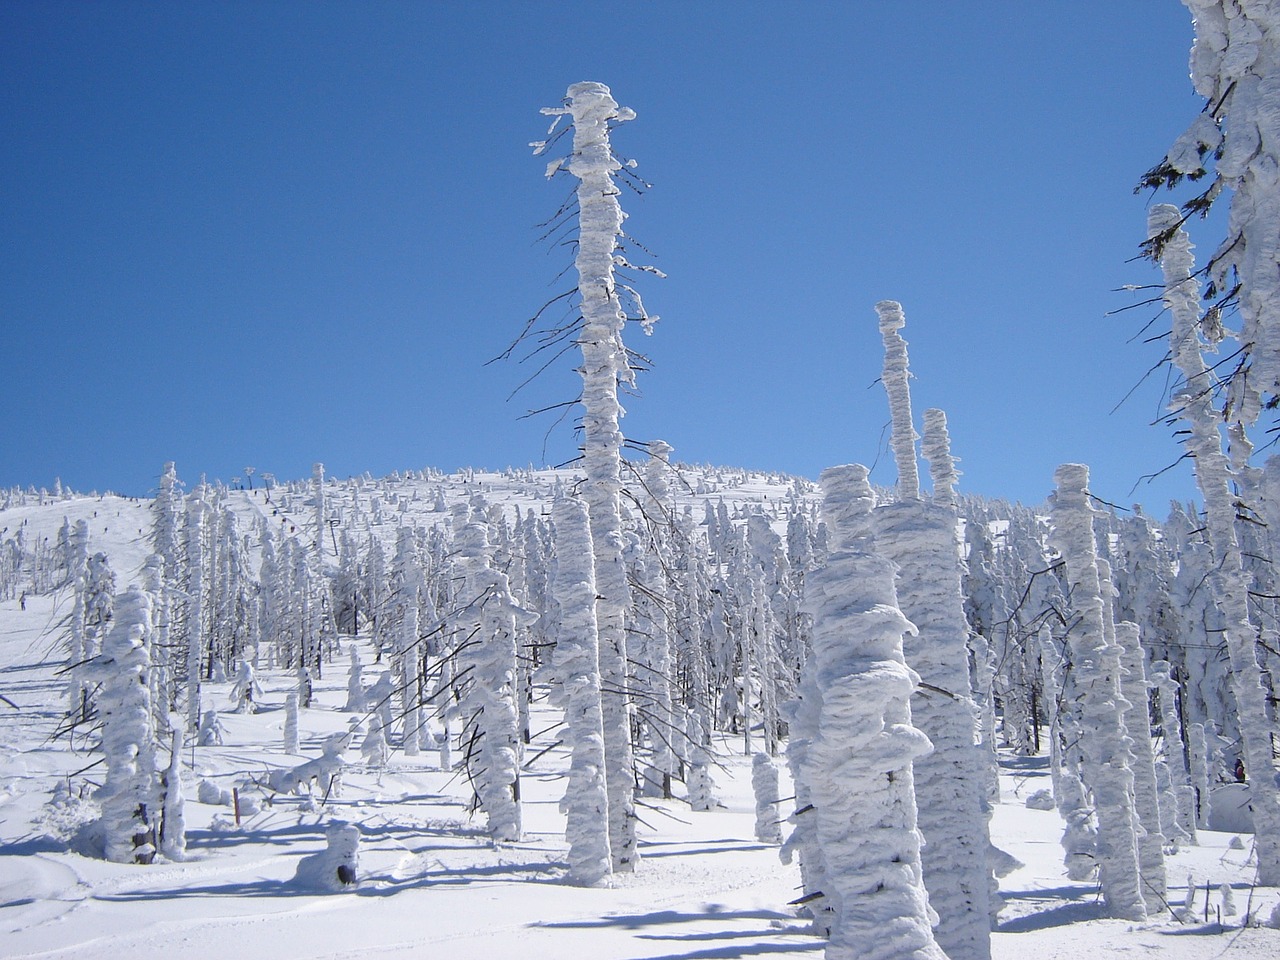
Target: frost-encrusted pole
<point>1194,406</point>
<point>577,664</point>
<point>1097,683</point>
<point>859,765</point>
<point>894,377</point>
<point>604,365</point>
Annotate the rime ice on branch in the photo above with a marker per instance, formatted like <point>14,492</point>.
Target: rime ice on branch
<point>1235,66</point>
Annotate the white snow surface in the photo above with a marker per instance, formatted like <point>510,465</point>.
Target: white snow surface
<point>430,882</point>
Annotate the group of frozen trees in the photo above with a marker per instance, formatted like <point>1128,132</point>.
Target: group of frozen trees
<point>890,642</point>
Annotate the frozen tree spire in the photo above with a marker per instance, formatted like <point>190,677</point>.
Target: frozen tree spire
<point>936,448</point>
<point>321,520</point>
<point>920,538</point>
<point>858,767</point>
<point>895,378</point>
<point>604,365</point>
<point>1193,403</point>
<point>764,784</point>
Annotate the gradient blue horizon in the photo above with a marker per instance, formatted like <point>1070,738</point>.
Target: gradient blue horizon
<point>268,234</point>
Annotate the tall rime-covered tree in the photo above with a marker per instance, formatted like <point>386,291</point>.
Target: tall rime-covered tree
<point>920,537</point>
<point>1096,674</point>
<point>129,795</point>
<point>1193,402</point>
<point>857,763</point>
<point>605,365</point>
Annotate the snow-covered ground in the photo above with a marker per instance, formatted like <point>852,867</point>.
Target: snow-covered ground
<point>430,883</point>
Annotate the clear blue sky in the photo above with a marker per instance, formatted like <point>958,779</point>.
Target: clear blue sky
<point>272,233</point>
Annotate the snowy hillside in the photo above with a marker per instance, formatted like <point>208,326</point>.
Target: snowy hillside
<point>430,878</point>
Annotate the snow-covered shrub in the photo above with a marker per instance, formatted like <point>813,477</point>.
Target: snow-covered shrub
<point>325,771</point>
<point>246,689</point>
<point>210,793</point>
<point>336,868</point>
<point>1041,800</point>
<point>210,732</point>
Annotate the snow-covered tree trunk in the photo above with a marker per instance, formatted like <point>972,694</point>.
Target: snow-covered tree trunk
<point>355,683</point>
<point>78,707</point>
<point>577,665</point>
<point>488,701</point>
<point>764,784</point>
<point>1201,780</point>
<point>1079,839</point>
<point>895,376</point>
<point>1194,406</point>
<point>194,623</point>
<point>291,723</point>
<point>859,765</point>
<point>320,522</point>
<point>129,794</point>
<point>173,829</point>
<point>920,538</point>
<point>1177,805</point>
<point>604,365</point>
<point>1146,793</point>
<point>663,730</point>
<point>1097,683</point>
